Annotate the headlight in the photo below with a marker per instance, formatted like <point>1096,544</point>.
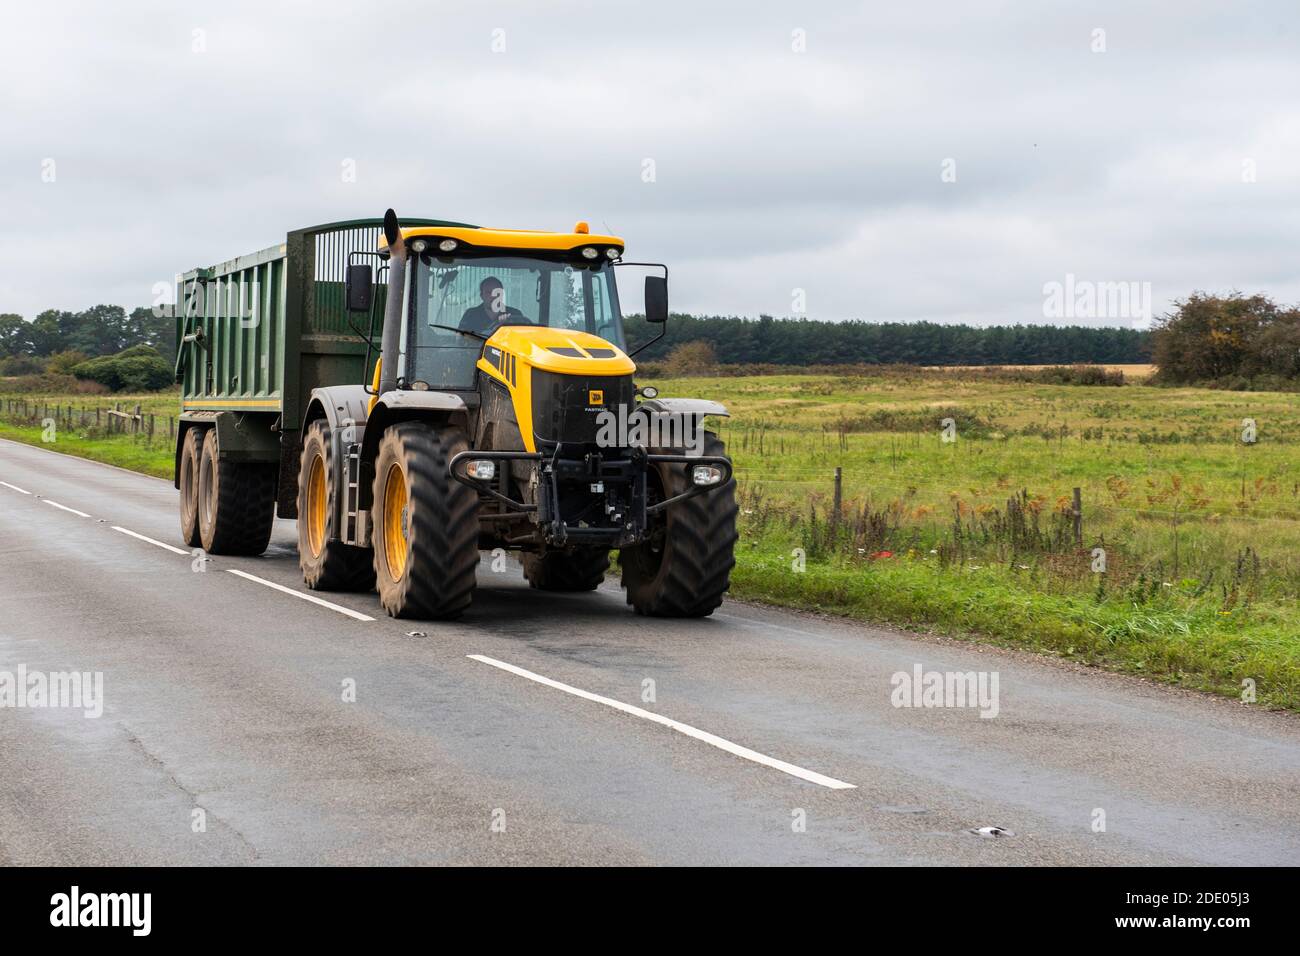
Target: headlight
<point>419,245</point>
<point>481,469</point>
<point>611,253</point>
<point>649,391</point>
<point>706,475</point>
<point>447,245</point>
<point>590,252</point>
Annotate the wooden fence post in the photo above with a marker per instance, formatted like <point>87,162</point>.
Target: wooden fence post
<point>839,497</point>
<point>1077,513</point>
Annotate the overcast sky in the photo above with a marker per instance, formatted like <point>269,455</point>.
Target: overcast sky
<point>794,145</point>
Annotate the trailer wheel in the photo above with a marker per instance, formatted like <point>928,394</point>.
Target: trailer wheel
<point>684,570</point>
<point>188,478</point>
<point>579,570</point>
<point>327,563</point>
<point>236,502</point>
<point>425,527</point>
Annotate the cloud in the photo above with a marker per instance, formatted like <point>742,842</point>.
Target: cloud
<point>184,137</point>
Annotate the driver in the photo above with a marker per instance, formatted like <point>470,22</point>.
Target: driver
<point>492,312</point>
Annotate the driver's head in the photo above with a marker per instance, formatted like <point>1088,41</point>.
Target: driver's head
<point>492,292</point>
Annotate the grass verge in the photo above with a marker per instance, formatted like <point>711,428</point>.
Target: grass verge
<point>124,451</point>
<point>1176,638</point>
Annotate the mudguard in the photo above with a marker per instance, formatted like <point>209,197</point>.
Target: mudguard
<point>685,406</point>
<point>345,408</point>
<point>413,399</point>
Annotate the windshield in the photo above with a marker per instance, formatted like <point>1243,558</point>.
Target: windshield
<point>482,294</point>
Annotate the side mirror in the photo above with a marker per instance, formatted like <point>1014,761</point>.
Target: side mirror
<point>360,287</point>
<point>656,299</point>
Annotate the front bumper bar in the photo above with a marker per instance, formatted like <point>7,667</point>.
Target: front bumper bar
<point>628,469</point>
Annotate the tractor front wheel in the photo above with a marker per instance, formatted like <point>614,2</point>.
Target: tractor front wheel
<point>425,526</point>
<point>685,567</point>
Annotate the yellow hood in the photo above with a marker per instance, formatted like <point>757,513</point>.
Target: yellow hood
<point>565,351</point>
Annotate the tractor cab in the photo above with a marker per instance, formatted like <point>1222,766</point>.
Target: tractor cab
<point>460,302</point>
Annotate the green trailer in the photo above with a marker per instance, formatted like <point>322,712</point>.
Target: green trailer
<point>255,336</point>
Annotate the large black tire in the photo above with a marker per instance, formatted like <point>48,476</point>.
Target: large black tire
<point>579,570</point>
<point>685,570</point>
<point>327,563</point>
<point>425,561</point>
<point>236,502</point>
<point>187,476</point>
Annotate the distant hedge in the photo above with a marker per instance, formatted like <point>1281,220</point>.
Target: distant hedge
<point>765,340</point>
<point>137,369</point>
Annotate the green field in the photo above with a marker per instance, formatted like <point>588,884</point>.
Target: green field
<point>80,425</point>
<point>976,536</point>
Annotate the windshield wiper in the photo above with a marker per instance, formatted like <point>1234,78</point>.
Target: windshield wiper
<point>452,328</point>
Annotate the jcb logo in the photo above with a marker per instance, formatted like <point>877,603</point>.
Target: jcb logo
<point>595,397</point>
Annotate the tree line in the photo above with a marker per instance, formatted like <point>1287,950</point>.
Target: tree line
<point>1231,339</point>
<point>98,330</point>
<point>109,329</point>
<point>770,341</point>
<point>103,344</point>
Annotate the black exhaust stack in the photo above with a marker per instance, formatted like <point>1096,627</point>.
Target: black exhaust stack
<point>392,334</point>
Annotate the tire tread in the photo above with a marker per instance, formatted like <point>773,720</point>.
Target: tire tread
<point>245,506</point>
<point>442,563</point>
<point>699,553</point>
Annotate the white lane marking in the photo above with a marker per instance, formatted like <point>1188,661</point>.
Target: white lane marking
<point>65,507</point>
<point>135,534</point>
<point>708,738</point>
<point>15,488</point>
<point>306,597</point>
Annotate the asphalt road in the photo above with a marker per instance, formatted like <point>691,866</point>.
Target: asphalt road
<point>523,732</point>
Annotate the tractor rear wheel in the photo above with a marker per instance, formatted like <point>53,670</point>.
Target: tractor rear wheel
<point>425,526</point>
<point>579,570</point>
<point>236,502</point>
<point>188,478</point>
<point>685,568</point>
<point>327,563</point>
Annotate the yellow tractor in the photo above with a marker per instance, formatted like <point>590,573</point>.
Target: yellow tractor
<point>503,414</point>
